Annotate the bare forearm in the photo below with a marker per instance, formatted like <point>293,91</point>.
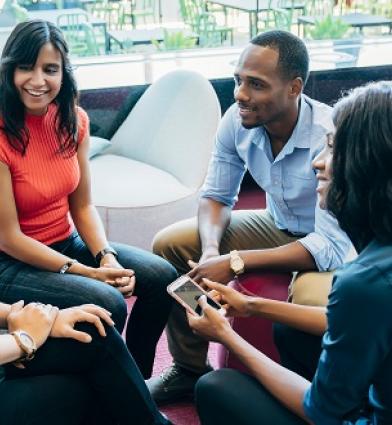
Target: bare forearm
<point>10,350</point>
<point>213,219</point>
<point>290,257</point>
<point>286,386</point>
<point>302,317</point>
<point>4,312</point>
<point>90,227</point>
<point>32,252</point>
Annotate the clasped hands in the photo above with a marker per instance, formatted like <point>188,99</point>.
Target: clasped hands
<point>114,274</point>
<point>43,320</point>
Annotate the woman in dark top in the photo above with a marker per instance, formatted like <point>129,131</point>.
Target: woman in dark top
<point>353,381</point>
<point>57,370</point>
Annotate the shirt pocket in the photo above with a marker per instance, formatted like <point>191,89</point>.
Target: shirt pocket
<point>299,192</point>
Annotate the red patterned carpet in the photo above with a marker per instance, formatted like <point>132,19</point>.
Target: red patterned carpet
<point>182,413</point>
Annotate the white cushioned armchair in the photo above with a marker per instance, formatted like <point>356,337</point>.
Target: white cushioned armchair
<point>151,174</point>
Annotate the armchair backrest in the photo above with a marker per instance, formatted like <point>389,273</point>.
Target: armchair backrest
<point>172,127</point>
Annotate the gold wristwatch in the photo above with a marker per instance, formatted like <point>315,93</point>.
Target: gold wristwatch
<point>26,344</point>
<point>237,264</point>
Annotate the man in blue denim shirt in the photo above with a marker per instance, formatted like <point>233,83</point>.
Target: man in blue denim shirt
<point>274,131</point>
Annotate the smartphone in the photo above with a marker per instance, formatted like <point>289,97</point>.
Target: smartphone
<point>186,291</point>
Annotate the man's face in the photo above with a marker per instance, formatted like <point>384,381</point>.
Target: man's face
<point>262,95</point>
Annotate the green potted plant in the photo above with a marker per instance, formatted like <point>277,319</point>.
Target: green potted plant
<point>329,28</point>
<point>174,41</point>
<point>344,44</point>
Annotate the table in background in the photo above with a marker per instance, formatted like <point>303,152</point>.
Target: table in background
<point>355,20</point>
<point>253,8</point>
<point>144,36</point>
<point>52,15</point>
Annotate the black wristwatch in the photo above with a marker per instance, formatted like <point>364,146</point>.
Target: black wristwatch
<point>103,252</point>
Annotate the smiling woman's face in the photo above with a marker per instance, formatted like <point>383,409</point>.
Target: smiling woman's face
<point>39,84</point>
<point>323,165</point>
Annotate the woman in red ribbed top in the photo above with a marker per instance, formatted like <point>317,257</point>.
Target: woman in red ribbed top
<point>53,246</point>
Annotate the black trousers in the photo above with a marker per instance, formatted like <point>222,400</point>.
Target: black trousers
<point>299,351</point>
<point>71,383</point>
<point>230,397</point>
<point>227,396</point>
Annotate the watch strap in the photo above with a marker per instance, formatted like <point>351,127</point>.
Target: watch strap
<point>103,252</point>
<point>67,266</point>
<point>28,353</point>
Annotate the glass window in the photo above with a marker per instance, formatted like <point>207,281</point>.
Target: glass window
<point>122,42</point>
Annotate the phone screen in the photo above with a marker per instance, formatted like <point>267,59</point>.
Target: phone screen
<point>190,293</point>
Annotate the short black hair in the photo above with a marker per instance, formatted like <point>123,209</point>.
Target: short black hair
<point>293,55</point>
<point>360,194</point>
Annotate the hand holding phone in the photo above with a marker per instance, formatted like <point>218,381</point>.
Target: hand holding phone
<point>187,292</point>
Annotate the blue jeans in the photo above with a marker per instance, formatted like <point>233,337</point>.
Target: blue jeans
<point>19,281</point>
<point>72,383</point>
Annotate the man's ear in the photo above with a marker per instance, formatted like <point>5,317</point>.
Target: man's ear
<point>296,87</point>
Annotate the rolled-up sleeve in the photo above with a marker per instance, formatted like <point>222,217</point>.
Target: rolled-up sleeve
<point>226,169</point>
<point>328,244</point>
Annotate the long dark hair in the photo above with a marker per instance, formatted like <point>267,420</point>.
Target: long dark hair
<point>360,195</point>
<point>22,47</point>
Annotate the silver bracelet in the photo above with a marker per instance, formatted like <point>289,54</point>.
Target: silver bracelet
<point>67,266</point>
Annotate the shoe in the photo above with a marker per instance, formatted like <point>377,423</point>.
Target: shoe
<point>174,383</point>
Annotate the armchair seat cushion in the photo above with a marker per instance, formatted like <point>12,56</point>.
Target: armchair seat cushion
<point>151,174</point>
<point>121,182</point>
<point>97,146</point>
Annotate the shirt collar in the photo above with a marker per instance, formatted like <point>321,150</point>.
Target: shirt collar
<point>300,137</point>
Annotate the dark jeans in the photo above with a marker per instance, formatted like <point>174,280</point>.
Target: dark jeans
<point>299,351</point>
<point>227,396</point>
<point>19,281</point>
<point>71,383</point>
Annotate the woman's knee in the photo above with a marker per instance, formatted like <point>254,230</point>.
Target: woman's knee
<point>164,271</point>
<point>148,267</point>
<point>153,277</point>
<point>112,300</point>
<point>213,384</point>
<point>206,389</point>
<point>219,398</point>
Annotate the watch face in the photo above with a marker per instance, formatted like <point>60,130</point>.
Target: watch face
<point>237,263</point>
<point>26,341</point>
